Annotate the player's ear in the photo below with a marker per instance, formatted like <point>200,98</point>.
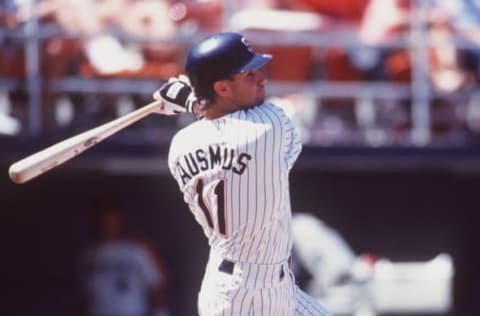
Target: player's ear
<point>221,88</point>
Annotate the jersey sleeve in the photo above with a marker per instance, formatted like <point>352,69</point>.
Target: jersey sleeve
<point>173,154</point>
<point>293,144</point>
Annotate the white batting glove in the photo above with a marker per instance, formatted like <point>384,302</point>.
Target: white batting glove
<point>177,96</point>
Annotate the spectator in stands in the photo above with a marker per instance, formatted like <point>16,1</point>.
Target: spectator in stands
<point>8,10</point>
<point>147,40</point>
<point>12,56</point>
<point>108,38</point>
<point>384,22</point>
<point>198,16</point>
<point>388,20</point>
<point>343,18</point>
<point>464,23</point>
<point>346,11</point>
<point>120,275</point>
<point>464,16</point>
<point>111,38</point>
<point>451,68</point>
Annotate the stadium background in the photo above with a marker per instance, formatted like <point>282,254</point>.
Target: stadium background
<point>391,146</point>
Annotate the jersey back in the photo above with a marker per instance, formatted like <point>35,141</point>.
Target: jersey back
<point>233,173</point>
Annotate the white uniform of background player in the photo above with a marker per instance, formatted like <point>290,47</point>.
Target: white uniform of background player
<point>233,172</point>
<point>322,251</point>
<point>118,276</point>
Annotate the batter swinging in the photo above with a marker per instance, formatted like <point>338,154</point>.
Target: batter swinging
<point>232,166</point>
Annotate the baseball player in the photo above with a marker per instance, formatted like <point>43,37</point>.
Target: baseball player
<point>232,166</point>
<point>120,275</point>
<point>322,251</point>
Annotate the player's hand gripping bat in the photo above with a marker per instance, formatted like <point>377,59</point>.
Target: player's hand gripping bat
<point>55,155</point>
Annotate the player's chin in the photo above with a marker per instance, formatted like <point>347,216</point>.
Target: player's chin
<point>260,99</point>
<point>256,103</point>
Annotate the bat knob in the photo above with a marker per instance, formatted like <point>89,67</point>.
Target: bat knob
<point>15,176</point>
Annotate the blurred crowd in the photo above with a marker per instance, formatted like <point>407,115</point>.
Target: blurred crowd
<point>353,41</point>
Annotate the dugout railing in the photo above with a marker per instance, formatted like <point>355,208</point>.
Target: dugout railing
<point>419,92</point>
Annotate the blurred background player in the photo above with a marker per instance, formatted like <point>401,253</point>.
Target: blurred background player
<point>121,275</point>
<point>320,251</point>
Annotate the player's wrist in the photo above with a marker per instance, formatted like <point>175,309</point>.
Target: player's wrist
<point>191,104</point>
<point>177,96</point>
<point>175,91</point>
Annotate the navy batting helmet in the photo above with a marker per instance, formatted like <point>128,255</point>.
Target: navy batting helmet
<point>218,57</point>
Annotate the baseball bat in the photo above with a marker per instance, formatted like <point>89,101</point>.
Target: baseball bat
<point>55,155</point>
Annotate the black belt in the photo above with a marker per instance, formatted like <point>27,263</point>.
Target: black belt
<point>227,266</point>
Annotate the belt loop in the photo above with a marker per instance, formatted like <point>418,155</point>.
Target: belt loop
<point>226,266</point>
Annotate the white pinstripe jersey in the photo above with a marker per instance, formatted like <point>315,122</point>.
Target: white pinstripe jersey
<point>233,172</point>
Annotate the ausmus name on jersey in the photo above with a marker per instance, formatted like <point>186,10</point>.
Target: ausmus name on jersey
<point>216,156</point>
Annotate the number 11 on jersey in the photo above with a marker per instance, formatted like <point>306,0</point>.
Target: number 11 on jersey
<point>219,191</point>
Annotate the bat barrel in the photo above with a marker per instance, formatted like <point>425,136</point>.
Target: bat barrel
<point>50,157</point>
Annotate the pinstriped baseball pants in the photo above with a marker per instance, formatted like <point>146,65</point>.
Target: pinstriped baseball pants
<point>254,290</point>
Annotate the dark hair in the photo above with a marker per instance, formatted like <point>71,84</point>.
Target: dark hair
<point>204,90</point>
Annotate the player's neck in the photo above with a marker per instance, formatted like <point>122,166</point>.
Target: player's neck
<point>219,108</point>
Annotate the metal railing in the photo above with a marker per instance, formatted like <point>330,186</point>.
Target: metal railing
<point>419,91</point>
